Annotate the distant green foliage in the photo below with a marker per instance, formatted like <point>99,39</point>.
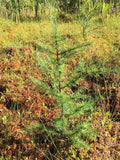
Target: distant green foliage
<point>16,9</point>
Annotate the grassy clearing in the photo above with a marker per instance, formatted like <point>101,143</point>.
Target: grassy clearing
<point>23,105</point>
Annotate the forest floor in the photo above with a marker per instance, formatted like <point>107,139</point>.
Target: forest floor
<point>22,105</point>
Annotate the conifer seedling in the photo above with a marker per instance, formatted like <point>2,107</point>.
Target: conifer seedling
<point>71,105</point>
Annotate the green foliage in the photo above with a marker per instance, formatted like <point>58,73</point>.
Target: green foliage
<point>105,9</point>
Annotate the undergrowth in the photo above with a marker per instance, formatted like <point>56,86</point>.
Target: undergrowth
<point>89,78</point>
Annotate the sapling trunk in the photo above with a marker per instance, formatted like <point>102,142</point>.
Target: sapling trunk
<point>58,63</point>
